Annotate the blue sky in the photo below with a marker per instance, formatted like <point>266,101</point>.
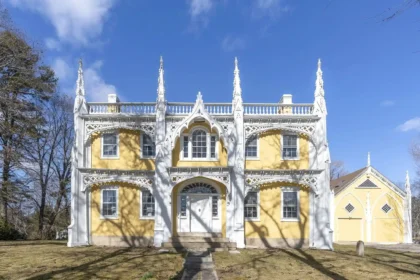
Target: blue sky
<point>371,67</point>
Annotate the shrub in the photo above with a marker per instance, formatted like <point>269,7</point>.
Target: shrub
<point>9,233</point>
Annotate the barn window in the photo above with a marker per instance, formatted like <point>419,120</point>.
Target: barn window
<point>349,208</point>
<point>386,208</point>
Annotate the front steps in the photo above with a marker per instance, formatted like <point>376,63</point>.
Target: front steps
<point>187,241</point>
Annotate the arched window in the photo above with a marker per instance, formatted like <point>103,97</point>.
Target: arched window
<point>199,144</point>
<point>199,188</point>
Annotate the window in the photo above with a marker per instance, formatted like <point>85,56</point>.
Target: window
<point>349,208</point>
<point>214,206</point>
<point>290,205</point>
<point>386,208</point>
<point>290,147</point>
<point>251,148</point>
<point>109,203</point>
<point>251,206</point>
<point>199,144</point>
<point>185,145</point>
<point>110,145</point>
<point>148,146</point>
<point>147,204</point>
<point>183,206</point>
<point>213,146</point>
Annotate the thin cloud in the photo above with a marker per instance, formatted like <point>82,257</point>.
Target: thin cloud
<point>75,21</point>
<point>199,13</point>
<point>271,9</point>
<point>96,88</point>
<point>412,124</point>
<point>52,44</point>
<point>231,43</point>
<point>387,103</point>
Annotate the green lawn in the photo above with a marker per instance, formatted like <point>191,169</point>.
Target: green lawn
<point>314,264</point>
<point>53,260</point>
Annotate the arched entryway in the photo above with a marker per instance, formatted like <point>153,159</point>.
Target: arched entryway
<point>199,207</point>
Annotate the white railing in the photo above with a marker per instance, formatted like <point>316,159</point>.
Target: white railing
<point>181,108</point>
<point>277,109</point>
<point>144,108</point>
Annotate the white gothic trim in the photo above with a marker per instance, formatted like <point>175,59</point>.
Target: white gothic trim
<point>181,174</point>
<point>94,127</point>
<point>255,178</point>
<point>306,129</point>
<point>91,176</point>
<point>199,111</point>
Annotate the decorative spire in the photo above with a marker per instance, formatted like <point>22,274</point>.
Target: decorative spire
<point>368,159</point>
<point>319,84</point>
<point>161,82</point>
<point>237,91</point>
<point>199,97</point>
<point>407,183</point>
<point>320,107</point>
<point>80,84</point>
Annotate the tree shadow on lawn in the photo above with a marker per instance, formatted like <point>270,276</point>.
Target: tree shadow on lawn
<point>387,263</point>
<point>90,269</point>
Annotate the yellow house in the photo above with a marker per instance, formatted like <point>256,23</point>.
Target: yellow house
<point>369,207</point>
<point>218,175</point>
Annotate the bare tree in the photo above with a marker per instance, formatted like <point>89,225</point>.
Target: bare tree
<point>48,162</point>
<point>337,169</point>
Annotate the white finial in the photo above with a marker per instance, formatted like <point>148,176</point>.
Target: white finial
<point>161,82</point>
<point>237,91</point>
<point>407,183</point>
<point>199,96</point>
<point>368,159</point>
<point>319,84</point>
<point>80,84</point>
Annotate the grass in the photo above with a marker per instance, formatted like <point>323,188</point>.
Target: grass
<point>314,264</point>
<point>53,260</point>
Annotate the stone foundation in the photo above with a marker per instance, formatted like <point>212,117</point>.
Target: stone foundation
<point>276,243</point>
<point>122,241</point>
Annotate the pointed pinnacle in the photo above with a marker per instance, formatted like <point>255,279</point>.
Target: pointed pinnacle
<point>368,159</point>
<point>319,64</point>
<point>161,62</point>
<point>236,63</point>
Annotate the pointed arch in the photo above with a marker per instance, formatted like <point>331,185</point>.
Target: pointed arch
<point>198,112</point>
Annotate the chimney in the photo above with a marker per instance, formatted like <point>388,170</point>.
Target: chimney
<point>286,99</point>
<point>113,98</point>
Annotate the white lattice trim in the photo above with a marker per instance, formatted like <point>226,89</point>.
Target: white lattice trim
<point>90,177</point>
<point>253,129</point>
<point>219,174</point>
<point>254,179</point>
<point>92,127</point>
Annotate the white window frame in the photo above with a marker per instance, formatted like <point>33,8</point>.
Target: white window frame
<point>258,150</point>
<point>297,146</point>
<point>257,219</point>
<point>118,146</point>
<point>297,191</point>
<point>208,144</point>
<point>141,206</point>
<point>141,146</point>
<point>113,217</point>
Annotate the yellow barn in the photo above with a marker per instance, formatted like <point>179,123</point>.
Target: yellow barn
<point>369,207</point>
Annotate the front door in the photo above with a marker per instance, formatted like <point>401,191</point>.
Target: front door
<point>200,213</point>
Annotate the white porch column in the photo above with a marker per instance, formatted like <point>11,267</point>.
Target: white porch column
<point>408,226</point>
<point>78,230</point>
<point>236,158</point>
<point>322,231</point>
<point>162,184</point>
